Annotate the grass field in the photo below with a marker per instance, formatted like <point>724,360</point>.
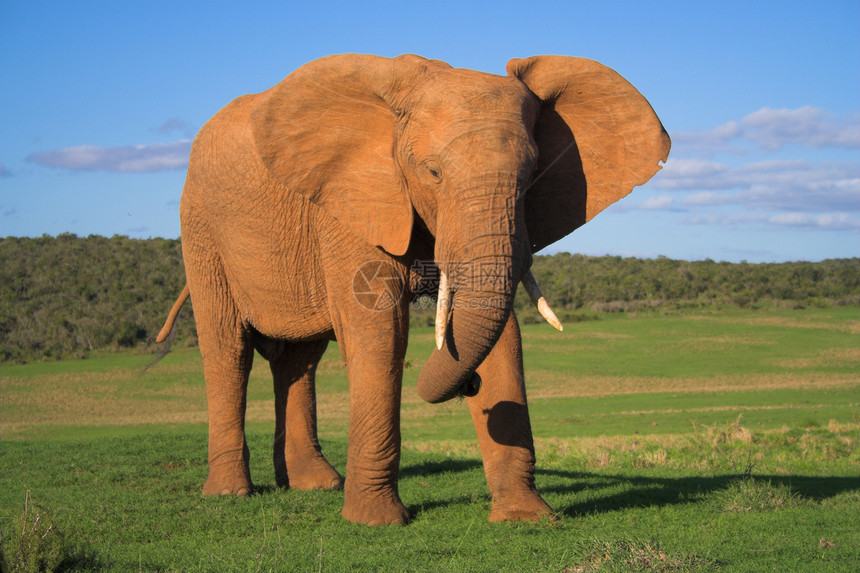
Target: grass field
<point>702,441</point>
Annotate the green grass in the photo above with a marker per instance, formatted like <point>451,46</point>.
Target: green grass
<point>680,442</point>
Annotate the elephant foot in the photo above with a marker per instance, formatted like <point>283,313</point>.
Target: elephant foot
<point>228,479</point>
<point>521,507</point>
<point>375,510</point>
<point>315,473</point>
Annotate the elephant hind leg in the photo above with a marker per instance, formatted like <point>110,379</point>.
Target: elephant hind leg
<point>225,344</point>
<point>226,372</point>
<point>298,458</point>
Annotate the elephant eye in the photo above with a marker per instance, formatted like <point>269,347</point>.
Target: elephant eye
<point>434,170</point>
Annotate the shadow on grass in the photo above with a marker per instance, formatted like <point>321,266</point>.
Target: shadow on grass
<point>615,492</point>
<point>637,492</point>
<point>267,489</point>
<point>439,467</point>
<point>81,560</point>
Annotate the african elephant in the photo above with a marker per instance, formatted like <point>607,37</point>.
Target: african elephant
<point>360,172</point>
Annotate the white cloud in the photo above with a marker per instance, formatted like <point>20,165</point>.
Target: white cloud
<point>706,198</point>
<point>834,221</point>
<point>126,159</point>
<point>777,192</point>
<point>825,221</point>
<point>725,219</point>
<point>693,174</point>
<point>775,184</point>
<point>771,129</point>
<point>657,203</point>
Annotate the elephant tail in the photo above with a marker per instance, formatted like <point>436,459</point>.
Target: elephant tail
<point>171,318</point>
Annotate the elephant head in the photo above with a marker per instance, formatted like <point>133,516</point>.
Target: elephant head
<point>494,167</point>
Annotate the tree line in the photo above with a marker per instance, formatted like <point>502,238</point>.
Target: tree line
<point>68,296</point>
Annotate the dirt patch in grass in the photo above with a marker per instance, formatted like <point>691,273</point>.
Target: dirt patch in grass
<point>553,384</point>
<point>113,398</point>
<point>333,365</point>
<point>450,448</point>
<point>719,344</point>
<point>556,343</point>
<point>831,357</point>
<point>333,407</point>
<point>632,556</point>
<point>554,337</point>
<point>170,394</point>
<point>732,408</point>
<point>850,326</point>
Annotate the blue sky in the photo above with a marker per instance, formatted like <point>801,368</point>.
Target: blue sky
<point>99,102</point>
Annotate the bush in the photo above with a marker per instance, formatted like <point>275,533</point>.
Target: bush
<point>32,544</point>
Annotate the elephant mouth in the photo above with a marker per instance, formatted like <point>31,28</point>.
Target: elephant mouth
<point>443,305</point>
<point>468,325</point>
<point>471,387</point>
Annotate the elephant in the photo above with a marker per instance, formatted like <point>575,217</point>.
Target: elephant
<point>318,209</point>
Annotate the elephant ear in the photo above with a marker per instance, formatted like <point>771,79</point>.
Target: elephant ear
<point>327,132</point>
<point>597,139</point>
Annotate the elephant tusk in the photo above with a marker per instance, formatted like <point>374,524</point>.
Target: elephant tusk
<point>538,299</point>
<point>443,303</point>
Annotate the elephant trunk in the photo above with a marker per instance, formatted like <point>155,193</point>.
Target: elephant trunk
<point>480,298</point>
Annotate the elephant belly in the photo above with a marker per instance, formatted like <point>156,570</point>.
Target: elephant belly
<point>274,275</point>
<point>280,297</point>
<point>288,325</point>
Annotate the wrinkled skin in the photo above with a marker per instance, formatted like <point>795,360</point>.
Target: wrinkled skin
<point>315,211</point>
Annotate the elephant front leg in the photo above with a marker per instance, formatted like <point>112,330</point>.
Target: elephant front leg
<point>370,318</point>
<point>370,493</point>
<point>298,458</point>
<point>501,418</point>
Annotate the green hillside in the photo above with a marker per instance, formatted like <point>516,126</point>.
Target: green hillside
<point>67,296</point>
